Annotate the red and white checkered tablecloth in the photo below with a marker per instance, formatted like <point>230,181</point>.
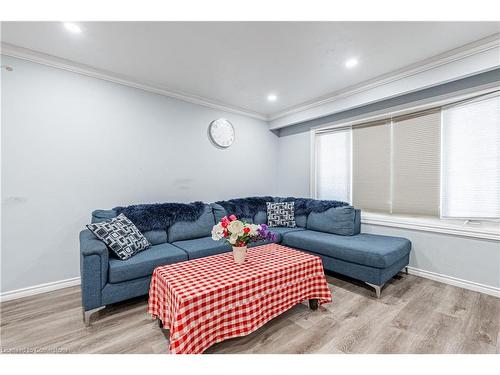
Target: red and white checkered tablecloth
<point>208,300</point>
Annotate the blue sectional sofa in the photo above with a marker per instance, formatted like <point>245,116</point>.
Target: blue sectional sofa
<point>334,235</point>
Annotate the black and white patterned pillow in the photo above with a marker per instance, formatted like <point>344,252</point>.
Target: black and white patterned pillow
<point>121,236</point>
<point>281,214</point>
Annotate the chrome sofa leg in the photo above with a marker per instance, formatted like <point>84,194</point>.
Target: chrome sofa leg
<point>377,288</point>
<point>88,313</point>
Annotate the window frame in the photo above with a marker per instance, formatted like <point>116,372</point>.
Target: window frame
<point>494,94</point>
<point>315,140</point>
<point>483,229</point>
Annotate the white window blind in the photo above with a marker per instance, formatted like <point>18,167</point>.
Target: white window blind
<point>416,164</point>
<point>333,165</point>
<point>471,159</point>
<point>371,166</point>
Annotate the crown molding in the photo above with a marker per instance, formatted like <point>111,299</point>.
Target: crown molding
<point>451,56</point>
<point>70,66</point>
<point>471,49</point>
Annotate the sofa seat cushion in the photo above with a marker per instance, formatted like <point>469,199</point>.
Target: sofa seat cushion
<point>202,247</point>
<point>145,262</point>
<point>280,231</point>
<point>366,249</point>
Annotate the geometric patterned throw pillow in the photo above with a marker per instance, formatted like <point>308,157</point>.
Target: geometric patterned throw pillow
<point>281,214</point>
<point>121,236</point>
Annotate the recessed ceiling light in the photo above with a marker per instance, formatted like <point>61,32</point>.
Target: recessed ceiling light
<point>73,27</point>
<point>351,63</point>
<point>272,97</point>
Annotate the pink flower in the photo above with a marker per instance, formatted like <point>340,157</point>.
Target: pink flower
<point>232,218</point>
<point>224,222</point>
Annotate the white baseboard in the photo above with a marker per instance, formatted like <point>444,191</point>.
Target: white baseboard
<point>38,289</point>
<point>476,287</point>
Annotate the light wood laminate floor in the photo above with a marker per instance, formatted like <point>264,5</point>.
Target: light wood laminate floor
<point>414,315</point>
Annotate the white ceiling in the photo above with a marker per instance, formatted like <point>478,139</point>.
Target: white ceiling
<point>240,63</point>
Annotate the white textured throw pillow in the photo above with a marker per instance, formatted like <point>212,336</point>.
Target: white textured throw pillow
<point>121,236</point>
<point>281,214</point>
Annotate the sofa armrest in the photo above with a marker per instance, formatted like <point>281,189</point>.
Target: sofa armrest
<point>90,244</point>
<point>94,259</point>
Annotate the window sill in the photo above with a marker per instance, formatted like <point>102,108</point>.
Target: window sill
<point>489,231</point>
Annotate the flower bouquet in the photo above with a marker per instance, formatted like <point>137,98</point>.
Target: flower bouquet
<point>239,234</point>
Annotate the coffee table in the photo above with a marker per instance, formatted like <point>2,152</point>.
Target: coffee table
<point>208,300</point>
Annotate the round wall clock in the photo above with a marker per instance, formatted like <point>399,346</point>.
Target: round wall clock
<point>221,133</point>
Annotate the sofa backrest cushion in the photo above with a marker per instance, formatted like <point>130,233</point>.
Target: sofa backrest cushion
<point>155,237</point>
<point>338,220</point>
<point>301,221</point>
<point>218,211</point>
<point>260,218</point>
<point>357,221</point>
<point>305,206</point>
<point>186,230</point>
<point>98,216</point>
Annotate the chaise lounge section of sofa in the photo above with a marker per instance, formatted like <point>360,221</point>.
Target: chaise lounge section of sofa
<point>333,234</point>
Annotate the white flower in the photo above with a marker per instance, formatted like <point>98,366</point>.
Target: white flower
<point>236,227</point>
<point>253,229</point>
<point>217,232</point>
<point>233,238</point>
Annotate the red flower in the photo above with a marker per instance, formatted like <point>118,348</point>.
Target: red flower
<point>224,222</point>
<point>226,233</point>
<point>246,230</point>
<point>232,218</point>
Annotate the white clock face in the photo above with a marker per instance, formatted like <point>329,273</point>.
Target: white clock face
<point>221,133</point>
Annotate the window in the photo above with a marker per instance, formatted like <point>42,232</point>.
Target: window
<point>443,162</point>
<point>416,164</point>
<point>471,159</point>
<point>371,162</point>
<point>333,165</point>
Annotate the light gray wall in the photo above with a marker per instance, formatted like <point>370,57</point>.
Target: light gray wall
<point>294,165</point>
<point>473,260</point>
<point>470,259</point>
<point>71,144</point>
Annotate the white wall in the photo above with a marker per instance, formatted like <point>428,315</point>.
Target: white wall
<point>294,165</point>
<point>72,144</point>
<point>473,261</point>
